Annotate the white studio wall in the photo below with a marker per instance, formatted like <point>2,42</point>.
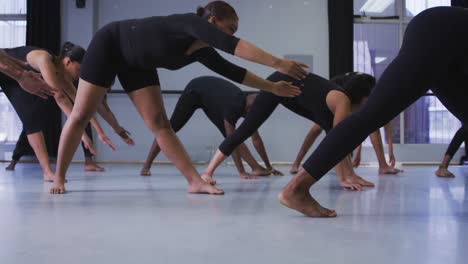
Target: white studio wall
<point>293,28</point>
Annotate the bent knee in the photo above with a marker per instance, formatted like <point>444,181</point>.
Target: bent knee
<point>80,118</point>
<point>158,122</point>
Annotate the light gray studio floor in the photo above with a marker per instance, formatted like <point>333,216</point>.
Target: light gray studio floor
<point>119,217</point>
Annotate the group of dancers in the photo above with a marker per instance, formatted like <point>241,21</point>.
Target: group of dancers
<point>349,107</point>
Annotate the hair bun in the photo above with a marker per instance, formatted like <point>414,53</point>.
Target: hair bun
<point>200,11</point>
<point>67,46</point>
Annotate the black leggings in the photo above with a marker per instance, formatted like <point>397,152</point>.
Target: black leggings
<point>433,55</point>
<point>188,103</point>
<point>260,111</point>
<point>457,140</point>
<point>22,147</point>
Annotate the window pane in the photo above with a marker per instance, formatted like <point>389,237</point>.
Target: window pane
<point>414,7</point>
<point>12,34</point>
<point>12,6</point>
<point>10,125</point>
<point>375,7</point>
<point>427,121</point>
<point>375,46</point>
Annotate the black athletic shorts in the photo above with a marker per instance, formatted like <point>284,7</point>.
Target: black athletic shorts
<point>104,61</point>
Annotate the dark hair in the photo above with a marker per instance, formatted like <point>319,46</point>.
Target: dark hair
<point>72,51</point>
<point>357,85</point>
<point>219,9</point>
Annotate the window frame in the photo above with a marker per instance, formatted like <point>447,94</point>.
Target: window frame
<point>400,19</point>
<point>12,18</point>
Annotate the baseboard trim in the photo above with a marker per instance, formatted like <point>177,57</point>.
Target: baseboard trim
<point>277,163</point>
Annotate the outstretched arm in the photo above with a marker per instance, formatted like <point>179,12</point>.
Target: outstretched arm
<point>10,66</point>
<point>310,138</point>
<point>357,156</point>
<point>236,155</point>
<point>384,168</point>
<point>340,106</point>
<point>30,81</point>
<point>389,136</point>
<point>260,147</point>
<point>42,61</point>
<point>201,29</point>
<point>105,112</point>
<point>215,62</point>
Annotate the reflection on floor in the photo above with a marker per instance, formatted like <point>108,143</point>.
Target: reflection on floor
<point>120,217</point>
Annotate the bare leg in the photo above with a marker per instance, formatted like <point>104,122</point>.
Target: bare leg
<point>296,196</point>
<point>207,175</point>
<point>149,104</point>
<point>246,155</point>
<point>90,163</point>
<point>37,142</point>
<point>384,168</point>
<point>443,168</point>
<point>310,138</point>
<point>154,151</point>
<point>351,176</point>
<point>88,97</point>
<point>184,109</point>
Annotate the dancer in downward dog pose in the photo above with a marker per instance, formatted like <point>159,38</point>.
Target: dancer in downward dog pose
<point>460,137</point>
<point>321,101</point>
<point>133,49</point>
<point>59,73</point>
<point>361,84</point>
<point>433,56</point>
<point>223,103</point>
<point>29,81</point>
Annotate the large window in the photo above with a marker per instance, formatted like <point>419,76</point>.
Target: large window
<point>12,34</point>
<point>379,26</point>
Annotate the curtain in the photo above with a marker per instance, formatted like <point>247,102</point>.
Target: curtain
<point>43,31</point>
<point>461,3</point>
<point>340,32</point>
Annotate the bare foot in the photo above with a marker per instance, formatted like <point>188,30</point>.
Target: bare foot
<point>145,171</point>
<point>389,170</point>
<point>444,173</point>
<point>208,179</point>
<point>303,202</point>
<point>260,172</point>
<point>247,176</point>
<point>58,188</point>
<point>294,169</point>
<point>93,167</point>
<point>350,185</point>
<point>204,188</point>
<point>361,181</point>
<point>49,176</point>
<point>275,172</point>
